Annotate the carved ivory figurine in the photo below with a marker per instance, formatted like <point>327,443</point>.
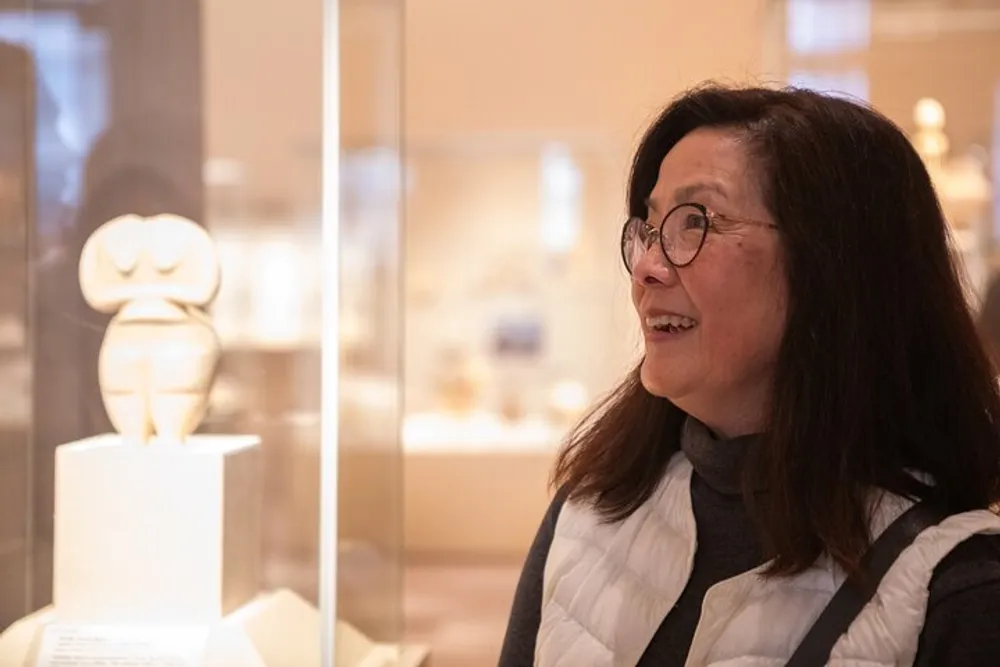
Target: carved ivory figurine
<point>160,352</point>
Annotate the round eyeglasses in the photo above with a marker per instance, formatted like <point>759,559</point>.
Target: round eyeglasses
<point>681,234</point>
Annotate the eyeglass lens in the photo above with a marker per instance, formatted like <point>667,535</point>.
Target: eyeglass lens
<point>681,236</point>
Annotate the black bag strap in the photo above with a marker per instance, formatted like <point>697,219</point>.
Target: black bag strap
<point>849,600</point>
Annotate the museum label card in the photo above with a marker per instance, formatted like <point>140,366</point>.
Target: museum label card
<point>78,645</point>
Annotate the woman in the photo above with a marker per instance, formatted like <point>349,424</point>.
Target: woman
<point>810,371</point>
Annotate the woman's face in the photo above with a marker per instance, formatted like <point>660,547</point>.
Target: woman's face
<point>718,366</point>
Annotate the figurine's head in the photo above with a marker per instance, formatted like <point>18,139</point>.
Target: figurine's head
<point>163,257</point>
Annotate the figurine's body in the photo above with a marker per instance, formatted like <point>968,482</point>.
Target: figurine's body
<point>160,353</point>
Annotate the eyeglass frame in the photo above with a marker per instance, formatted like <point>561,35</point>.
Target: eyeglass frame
<point>710,215</point>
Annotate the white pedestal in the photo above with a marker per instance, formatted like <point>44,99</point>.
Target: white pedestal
<point>157,533</point>
<point>157,563</point>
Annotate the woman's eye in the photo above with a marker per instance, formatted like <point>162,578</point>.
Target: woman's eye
<point>695,221</point>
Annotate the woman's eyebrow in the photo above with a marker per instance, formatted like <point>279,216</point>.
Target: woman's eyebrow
<point>686,193</point>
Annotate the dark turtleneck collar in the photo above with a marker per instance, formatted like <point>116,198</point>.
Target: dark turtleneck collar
<point>718,462</point>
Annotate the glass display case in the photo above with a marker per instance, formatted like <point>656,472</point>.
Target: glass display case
<point>200,328</point>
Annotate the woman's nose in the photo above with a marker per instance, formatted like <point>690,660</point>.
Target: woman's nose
<point>653,268</point>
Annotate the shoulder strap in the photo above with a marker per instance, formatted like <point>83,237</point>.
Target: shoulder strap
<point>849,600</point>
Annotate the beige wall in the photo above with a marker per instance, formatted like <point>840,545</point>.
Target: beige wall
<point>565,68</point>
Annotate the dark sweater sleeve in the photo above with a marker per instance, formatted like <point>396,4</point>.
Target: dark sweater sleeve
<point>962,626</point>
<point>526,613</point>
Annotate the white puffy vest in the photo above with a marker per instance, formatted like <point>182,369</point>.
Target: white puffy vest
<point>608,588</point>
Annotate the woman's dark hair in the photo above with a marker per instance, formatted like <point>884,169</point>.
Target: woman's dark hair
<point>880,370</point>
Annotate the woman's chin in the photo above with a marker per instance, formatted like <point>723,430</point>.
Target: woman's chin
<point>658,382</point>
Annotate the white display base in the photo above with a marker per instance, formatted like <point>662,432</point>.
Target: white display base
<point>158,533</point>
<point>278,629</point>
<point>157,565</point>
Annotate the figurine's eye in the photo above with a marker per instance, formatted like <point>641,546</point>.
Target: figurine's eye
<point>122,247</point>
